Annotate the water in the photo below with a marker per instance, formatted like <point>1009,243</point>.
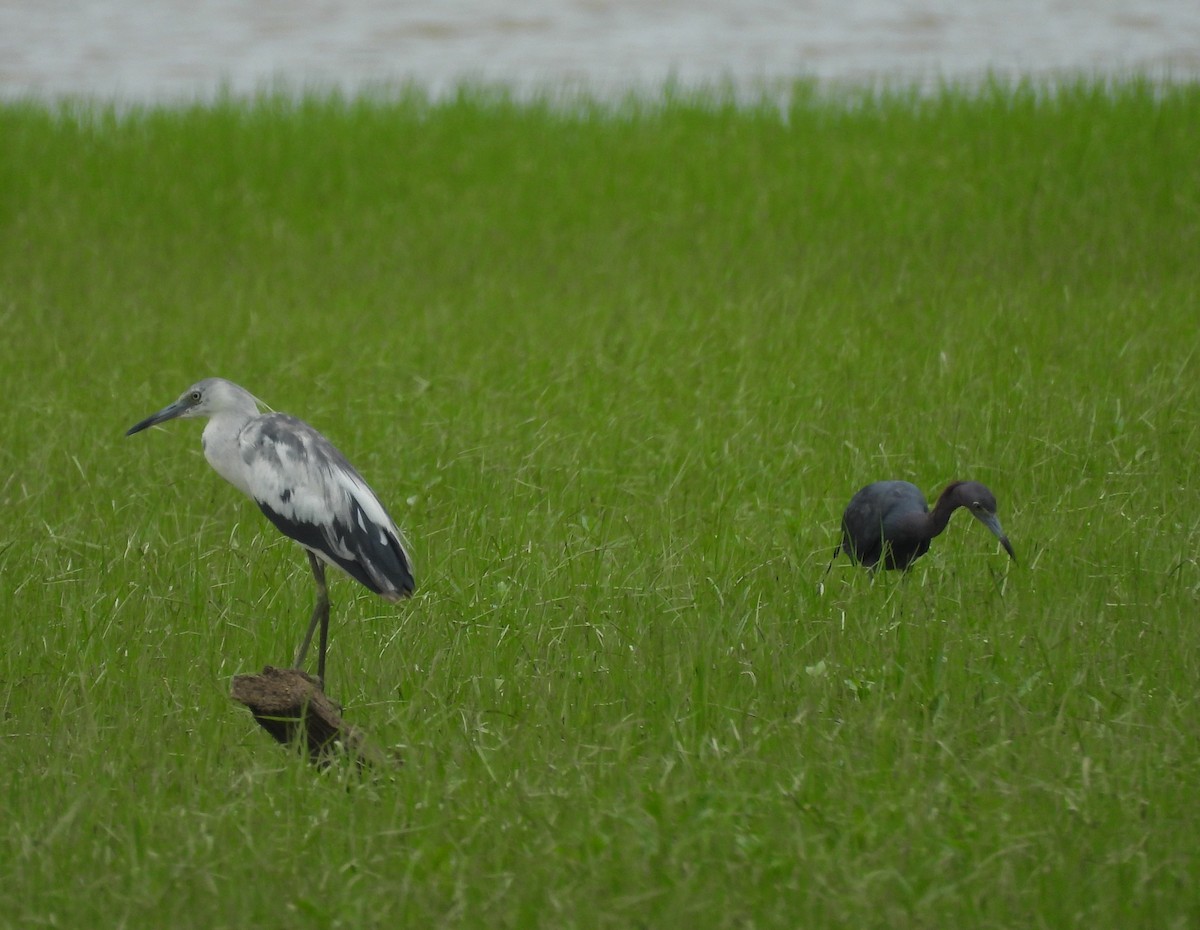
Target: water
<point>149,50</point>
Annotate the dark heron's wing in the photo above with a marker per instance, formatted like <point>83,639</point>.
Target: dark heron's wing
<point>877,514</point>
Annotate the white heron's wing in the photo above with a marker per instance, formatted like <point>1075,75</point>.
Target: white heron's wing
<point>308,489</point>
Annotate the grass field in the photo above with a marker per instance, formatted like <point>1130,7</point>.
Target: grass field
<point>615,368</point>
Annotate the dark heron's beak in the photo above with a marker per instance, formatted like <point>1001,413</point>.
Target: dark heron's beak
<point>167,413</point>
<point>992,522</point>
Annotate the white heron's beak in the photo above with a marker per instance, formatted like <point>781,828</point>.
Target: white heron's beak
<point>176,409</point>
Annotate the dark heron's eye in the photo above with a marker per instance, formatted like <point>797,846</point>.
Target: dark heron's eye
<point>194,397</point>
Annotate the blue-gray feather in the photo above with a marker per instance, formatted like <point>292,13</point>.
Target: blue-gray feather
<point>881,512</point>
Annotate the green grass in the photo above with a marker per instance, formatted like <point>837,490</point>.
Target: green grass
<point>616,369</point>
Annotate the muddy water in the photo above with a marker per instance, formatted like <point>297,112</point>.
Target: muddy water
<point>161,49</point>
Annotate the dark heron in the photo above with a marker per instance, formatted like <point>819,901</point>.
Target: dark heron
<point>305,487</point>
<point>889,521</point>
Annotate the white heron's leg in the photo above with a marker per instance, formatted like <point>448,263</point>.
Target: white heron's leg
<point>323,604</point>
<point>320,615</point>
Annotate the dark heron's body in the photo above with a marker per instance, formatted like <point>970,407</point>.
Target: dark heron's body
<point>889,523</point>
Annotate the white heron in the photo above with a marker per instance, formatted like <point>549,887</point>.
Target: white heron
<point>306,488</point>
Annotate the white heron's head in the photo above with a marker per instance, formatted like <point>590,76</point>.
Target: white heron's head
<point>208,398</point>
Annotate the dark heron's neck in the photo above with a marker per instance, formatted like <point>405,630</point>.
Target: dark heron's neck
<point>946,504</point>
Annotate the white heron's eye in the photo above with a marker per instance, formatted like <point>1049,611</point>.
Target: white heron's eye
<point>194,397</point>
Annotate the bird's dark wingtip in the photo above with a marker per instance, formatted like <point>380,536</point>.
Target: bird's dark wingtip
<point>400,592</point>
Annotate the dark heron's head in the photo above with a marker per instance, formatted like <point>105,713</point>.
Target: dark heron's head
<point>981,502</point>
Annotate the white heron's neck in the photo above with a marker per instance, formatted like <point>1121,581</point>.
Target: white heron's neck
<point>221,448</point>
